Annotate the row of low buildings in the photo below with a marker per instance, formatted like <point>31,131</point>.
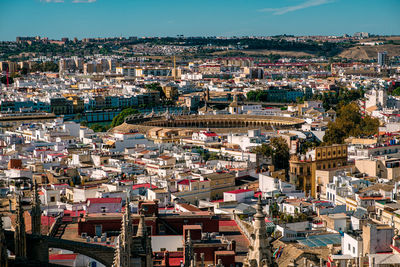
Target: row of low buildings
<point>195,194</point>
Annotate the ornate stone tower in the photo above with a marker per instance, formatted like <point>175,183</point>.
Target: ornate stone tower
<point>260,252</point>
<point>36,213</point>
<point>128,218</point>
<point>20,234</point>
<point>145,241</point>
<point>3,245</point>
<point>118,253</point>
<point>123,251</point>
<point>188,250</point>
<point>234,107</point>
<point>141,231</point>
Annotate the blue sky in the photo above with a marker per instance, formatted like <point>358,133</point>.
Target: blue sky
<point>107,18</point>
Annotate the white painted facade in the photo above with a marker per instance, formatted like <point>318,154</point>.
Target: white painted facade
<point>352,245</point>
<point>238,195</point>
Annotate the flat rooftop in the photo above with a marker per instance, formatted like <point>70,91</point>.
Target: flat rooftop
<point>321,240</point>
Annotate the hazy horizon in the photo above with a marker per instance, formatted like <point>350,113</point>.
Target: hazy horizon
<point>159,18</point>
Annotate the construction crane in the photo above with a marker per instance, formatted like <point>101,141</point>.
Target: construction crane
<point>174,70</point>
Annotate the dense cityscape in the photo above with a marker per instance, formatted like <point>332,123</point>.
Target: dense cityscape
<point>254,151</point>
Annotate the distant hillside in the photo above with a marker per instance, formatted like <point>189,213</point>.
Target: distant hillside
<point>263,52</point>
<point>370,52</point>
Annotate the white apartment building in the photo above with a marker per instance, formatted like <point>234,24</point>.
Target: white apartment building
<point>352,245</point>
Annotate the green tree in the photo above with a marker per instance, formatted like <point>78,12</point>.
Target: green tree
<point>396,91</point>
<point>50,66</point>
<point>289,218</point>
<point>277,150</point>
<point>299,100</point>
<point>120,118</point>
<point>300,217</point>
<point>36,67</point>
<point>213,156</point>
<point>205,155</point>
<point>350,122</point>
<point>99,128</point>
<point>281,156</point>
<point>258,95</point>
<point>282,217</point>
<point>369,125</point>
<point>334,134</point>
<point>24,71</point>
<point>251,96</point>
<point>156,87</point>
<point>4,80</point>
<point>265,150</point>
<point>274,210</point>
<point>308,144</point>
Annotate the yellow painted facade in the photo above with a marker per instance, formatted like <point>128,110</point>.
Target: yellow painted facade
<point>303,171</point>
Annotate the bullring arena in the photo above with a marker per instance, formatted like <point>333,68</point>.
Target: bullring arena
<point>217,123</point>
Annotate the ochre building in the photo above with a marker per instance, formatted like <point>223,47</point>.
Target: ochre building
<point>302,169</point>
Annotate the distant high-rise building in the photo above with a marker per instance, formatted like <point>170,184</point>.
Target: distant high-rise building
<point>23,65</point>
<point>111,64</point>
<point>383,59</point>
<point>3,66</point>
<point>361,34</point>
<point>89,68</point>
<point>9,66</point>
<point>19,39</point>
<point>78,63</point>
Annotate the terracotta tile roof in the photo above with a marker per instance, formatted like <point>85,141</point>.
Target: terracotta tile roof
<point>238,191</point>
<point>104,200</point>
<point>62,257</point>
<point>146,185</point>
<point>384,187</point>
<point>189,207</point>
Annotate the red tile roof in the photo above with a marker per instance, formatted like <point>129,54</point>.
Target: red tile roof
<point>217,200</point>
<point>238,191</point>
<point>210,134</point>
<point>175,261</point>
<point>227,223</point>
<point>146,185</point>
<point>62,256</point>
<point>189,207</point>
<point>104,200</point>
<point>74,213</point>
<point>373,198</point>
<point>186,182</point>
